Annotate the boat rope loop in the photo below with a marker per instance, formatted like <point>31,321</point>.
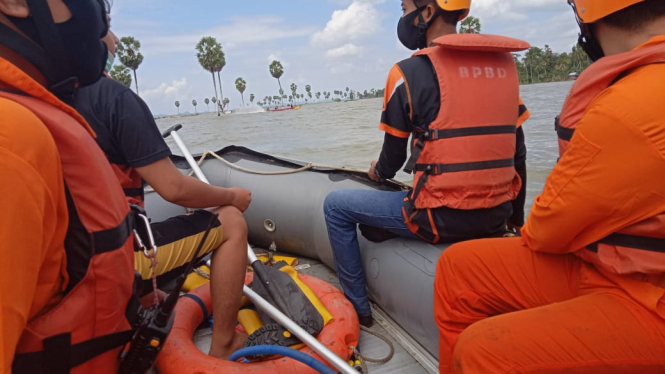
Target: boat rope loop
<point>364,359</point>
<point>307,167</point>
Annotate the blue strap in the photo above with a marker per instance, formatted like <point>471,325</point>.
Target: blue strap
<point>201,304</point>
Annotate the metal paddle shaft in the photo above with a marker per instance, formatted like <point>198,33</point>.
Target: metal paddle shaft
<point>299,332</point>
<point>262,304</point>
<point>173,131</point>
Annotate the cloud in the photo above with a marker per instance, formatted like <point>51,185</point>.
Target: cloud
<point>360,20</point>
<point>165,89</point>
<point>242,31</point>
<point>348,49</point>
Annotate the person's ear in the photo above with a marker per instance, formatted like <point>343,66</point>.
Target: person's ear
<point>429,12</point>
<point>14,8</point>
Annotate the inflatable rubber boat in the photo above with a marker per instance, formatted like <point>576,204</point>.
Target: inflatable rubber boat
<point>287,213</point>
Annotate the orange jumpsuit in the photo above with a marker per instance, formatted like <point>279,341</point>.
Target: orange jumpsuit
<point>34,220</point>
<point>532,305</point>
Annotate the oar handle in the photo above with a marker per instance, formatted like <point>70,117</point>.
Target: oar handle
<point>171,129</point>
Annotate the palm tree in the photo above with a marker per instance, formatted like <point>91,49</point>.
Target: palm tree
<point>210,56</point>
<point>470,25</point>
<point>308,89</point>
<point>177,105</point>
<point>130,55</point>
<point>207,101</point>
<point>218,68</point>
<point>121,74</point>
<point>226,102</point>
<point>241,85</point>
<point>251,98</point>
<point>195,103</point>
<point>277,70</point>
<point>294,89</point>
<point>318,96</point>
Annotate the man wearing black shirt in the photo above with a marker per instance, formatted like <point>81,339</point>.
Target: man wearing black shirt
<point>128,135</point>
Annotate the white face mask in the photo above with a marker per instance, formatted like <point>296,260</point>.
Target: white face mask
<point>110,59</point>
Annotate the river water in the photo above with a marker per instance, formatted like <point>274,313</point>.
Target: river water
<point>346,133</point>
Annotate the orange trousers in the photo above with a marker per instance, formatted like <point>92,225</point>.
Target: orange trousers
<point>502,308</point>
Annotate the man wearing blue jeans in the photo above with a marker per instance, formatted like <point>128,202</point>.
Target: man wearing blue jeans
<point>470,167</point>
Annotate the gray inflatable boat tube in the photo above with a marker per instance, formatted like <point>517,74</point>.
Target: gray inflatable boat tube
<point>288,210</point>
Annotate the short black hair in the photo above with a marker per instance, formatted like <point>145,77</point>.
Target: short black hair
<point>451,17</point>
<point>636,16</point>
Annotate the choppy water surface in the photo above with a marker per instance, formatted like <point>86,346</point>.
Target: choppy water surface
<point>347,133</point>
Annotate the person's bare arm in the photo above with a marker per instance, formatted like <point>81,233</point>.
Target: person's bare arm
<point>190,192</point>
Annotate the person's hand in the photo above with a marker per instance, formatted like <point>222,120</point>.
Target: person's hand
<point>241,198</point>
<point>372,173</point>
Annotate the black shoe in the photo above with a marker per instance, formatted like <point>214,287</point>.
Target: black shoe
<point>366,321</point>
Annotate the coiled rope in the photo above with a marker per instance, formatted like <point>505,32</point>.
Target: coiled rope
<point>364,359</point>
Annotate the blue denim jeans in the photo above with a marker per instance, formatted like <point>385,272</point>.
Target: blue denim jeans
<point>344,210</point>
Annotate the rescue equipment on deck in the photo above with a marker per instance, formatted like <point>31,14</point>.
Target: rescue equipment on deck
<point>181,356</point>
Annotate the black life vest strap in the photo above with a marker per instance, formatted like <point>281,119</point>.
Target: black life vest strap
<point>410,202</point>
<point>134,192</point>
<point>431,135</point>
<point>564,133</point>
<point>114,238</point>
<point>644,243</point>
<point>435,169</point>
<point>60,356</point>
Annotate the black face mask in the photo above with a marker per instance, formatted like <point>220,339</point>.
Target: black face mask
<point>74,47</point>
<point>414,37</point>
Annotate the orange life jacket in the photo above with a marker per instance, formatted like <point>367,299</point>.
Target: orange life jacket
<point>594,80</point>
<point>131,182</point>
<point>465,159</point>
<point>637,249</point>
<point>85,332</point>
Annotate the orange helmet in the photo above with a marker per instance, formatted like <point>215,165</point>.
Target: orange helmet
<point>452,5</point>
<point>590,11</point>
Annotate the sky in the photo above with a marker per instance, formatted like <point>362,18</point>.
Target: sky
<point>328,44</point>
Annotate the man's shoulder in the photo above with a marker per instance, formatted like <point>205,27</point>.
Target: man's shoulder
<point>415,65</point>
<point>24,136</point>
<point>639,95</point>
<point>20,127</point>
<point>105,89</point>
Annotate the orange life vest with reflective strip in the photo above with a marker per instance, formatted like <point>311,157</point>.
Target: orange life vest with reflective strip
<point>85,332</point>
<point>637,249</point>
<point>465,159</point>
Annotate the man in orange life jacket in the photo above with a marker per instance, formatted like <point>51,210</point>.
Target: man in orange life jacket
<point>459,99</point>
<point>584,290</point>
<point>128,135</point>
<point>66,249</point>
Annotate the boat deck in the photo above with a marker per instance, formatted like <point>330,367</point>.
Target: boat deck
<point>409,357</point>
